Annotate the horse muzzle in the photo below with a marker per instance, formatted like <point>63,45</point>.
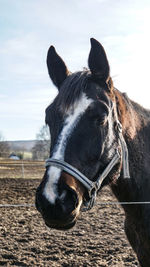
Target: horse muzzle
<point>61,214</point>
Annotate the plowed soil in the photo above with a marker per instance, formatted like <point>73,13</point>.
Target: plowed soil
<point>98,239</point>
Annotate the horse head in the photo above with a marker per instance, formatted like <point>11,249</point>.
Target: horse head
<point>82,120</point>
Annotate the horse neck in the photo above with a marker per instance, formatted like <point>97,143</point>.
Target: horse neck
<point>135,121</point>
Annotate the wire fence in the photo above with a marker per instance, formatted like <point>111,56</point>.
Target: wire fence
<point>15,169</point>
<point>20,169</point>
<point>17,205</point>
<point>98,204</point>
<point>24,169</point>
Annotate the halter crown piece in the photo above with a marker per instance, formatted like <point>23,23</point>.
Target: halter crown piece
<point>93,187</point>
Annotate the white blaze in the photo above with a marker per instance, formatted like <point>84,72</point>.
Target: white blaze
<point>110,136</point>
<point>73,116</point>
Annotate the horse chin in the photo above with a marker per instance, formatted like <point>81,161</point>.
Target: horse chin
<point>61,227</point>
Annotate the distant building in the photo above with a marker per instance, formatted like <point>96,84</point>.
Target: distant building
<point>14,156</point>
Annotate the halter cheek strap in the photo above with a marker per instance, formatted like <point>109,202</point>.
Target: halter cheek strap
<point>124,151</point>
<point>93,187</point>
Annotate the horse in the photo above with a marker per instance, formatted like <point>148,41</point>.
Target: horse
<point>99,137</point>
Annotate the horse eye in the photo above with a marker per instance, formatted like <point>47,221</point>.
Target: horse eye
<point>101,121</point>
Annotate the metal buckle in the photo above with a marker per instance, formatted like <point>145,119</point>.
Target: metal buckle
<point>89,204</point>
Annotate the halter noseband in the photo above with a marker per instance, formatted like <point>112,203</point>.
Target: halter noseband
<point>93,187</point>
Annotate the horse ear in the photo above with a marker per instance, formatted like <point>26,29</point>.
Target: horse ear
<point>97,61</point>
<point>57,69</point>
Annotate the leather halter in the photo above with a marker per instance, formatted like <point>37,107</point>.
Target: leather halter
<point>93,187</point>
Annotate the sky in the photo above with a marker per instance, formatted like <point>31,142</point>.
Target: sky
<point>29,27</point>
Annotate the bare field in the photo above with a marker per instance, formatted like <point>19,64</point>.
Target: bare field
<point>98,239</point>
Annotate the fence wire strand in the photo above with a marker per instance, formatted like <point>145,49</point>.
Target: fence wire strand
<point>23,164</point>
<point>16,205</point>
<point>98,204</point>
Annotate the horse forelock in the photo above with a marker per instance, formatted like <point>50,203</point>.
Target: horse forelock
<point>71,90</point>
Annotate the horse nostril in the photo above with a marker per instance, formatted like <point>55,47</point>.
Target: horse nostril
<point>38,202</point>
<point>41,202</point>
<point>70,200</point>
<point>75,199</point>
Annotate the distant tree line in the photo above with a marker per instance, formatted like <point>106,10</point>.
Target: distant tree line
<point>40,150</point>
<point>4,147</point>
<point>42,146</point>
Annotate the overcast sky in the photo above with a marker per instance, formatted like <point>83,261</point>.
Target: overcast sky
<point>29,27</point>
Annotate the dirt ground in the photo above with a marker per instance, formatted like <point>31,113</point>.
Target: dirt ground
<point>98,239</point>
